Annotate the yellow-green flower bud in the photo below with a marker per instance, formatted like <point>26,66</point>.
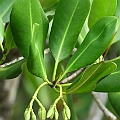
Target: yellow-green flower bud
<point>64,115</point>
<point>43,114</point>
<point>51,117</point>
<point>40,113</point>
<point>56,114</point>
<point>51,112</point>
<point>67,111</point>
<point>33,116</point>
<point>27,114</point>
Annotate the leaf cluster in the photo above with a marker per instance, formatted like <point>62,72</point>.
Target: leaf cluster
<point>73,25</point>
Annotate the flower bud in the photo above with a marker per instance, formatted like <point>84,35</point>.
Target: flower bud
<point>64,115</point>
<point>40,113</point>
<point>51,112</point>
<point>27,114</point>
<point>43,114</point>
<point>33,116</point>
<point>67,111</point>
<point>56,114</point>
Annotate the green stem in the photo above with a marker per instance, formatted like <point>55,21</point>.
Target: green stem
<point>39,103</point>
<point>60,78</point>
<point>60,97</point>
<point>46,80</point>
<point>55,69</point>
<point>35,94</point>
<point>112,60</point>
<point>66,84</point>
<point>57,91</point>
<point>60,91</point>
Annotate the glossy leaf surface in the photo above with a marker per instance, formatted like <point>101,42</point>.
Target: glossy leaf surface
<point>5,9</point>
<point>1,33</point>
<point>90,77</point>
<point>24,14</point>
<point>112,82</point>
<point>68,21</point>
<point>101,8</point>
<point>115,101</point>
<point>35,61</point>
<point>83,33</point>
<point>12,70</point>
<point>94,44</point>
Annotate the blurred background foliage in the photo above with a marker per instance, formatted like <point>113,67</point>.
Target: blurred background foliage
<point>79,103</point>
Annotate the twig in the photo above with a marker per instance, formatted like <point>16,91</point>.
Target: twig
<point>73,75</point>
<point>106,112</point>
<point>46,51</point>
<point>95,112</point>
<point>11,62</point>
<point>74,50</point>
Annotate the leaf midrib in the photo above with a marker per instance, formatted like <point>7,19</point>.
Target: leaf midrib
<point>86,48</point>
<point>63,39</point>
<point>42,67</point>
<point>86,79</point>
<point>31,21</point>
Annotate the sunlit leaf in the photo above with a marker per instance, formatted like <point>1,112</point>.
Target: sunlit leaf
<point>83,33</point>
<point>68,21</point>
<point>114,100</point>
<point>94,44</point>
<point>24,14</point>
<point>12,70</point>
<point>112,82</point>
<point>5,9</point>
<point>91,76</point>
<point>35,61</point>
<point>101,8</point>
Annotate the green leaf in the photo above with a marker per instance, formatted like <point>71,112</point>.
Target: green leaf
<point>24,14</point>
<point>91,76</point>
<point>67,24</point>
<point>68,21</point>
<point>115,101</point>
<point>49,5</point>
<point>1,33</point>
<point>12,70</point>
<point>35,61</point>
<point>5,9</point>
<point>9,43</point>
<point>94,44</point>
<point>83,33</point>
<point>117,37</point>
<point>101,8</point>
<point>112,82</point>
